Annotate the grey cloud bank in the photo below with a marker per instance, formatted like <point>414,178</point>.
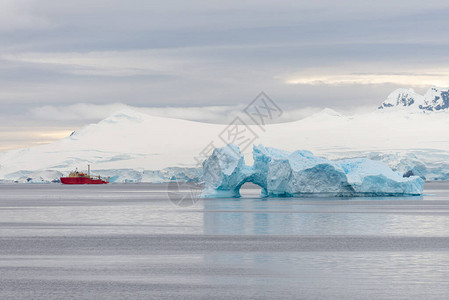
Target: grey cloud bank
<point>345,55</point>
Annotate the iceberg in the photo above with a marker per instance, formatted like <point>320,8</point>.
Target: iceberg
<point>285,174</point>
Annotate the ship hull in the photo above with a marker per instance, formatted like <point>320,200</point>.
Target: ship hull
<point>82,180</point>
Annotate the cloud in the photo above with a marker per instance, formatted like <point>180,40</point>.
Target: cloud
<point>77,112</point>
<point>105,63</point>
<point>205,61</point>
<point>18,15</point>
<point>83,112</point>
<point>13,137</point>
<point>418,80</point>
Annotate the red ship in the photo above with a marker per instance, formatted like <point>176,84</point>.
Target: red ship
<point>76,177</point>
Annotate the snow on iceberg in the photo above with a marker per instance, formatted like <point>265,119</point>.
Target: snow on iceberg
<point>300,173</point>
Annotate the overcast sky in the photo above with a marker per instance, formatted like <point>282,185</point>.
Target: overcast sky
<point>67,63</point>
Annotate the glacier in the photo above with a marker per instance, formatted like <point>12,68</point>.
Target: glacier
<point>46,176</point>
<point>300,173</point>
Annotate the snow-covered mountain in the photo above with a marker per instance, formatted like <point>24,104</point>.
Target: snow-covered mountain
<point>132,146</point>
<point>435,99</point>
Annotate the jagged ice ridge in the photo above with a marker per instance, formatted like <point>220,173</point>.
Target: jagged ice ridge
<point>300,173</point>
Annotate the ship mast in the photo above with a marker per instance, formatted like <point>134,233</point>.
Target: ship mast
<point>88,170</point>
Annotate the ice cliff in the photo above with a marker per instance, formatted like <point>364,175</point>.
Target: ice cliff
<point>300,173</point>
<point>115,175</point>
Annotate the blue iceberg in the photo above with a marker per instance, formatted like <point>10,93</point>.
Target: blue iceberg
<point>285,174</point>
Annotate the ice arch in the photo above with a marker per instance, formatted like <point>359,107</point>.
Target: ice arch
<point>300,173</point>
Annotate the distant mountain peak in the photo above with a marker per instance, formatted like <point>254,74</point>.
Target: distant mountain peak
<point>127,115</point>
<point>326,112</point>
<point>435,99</point>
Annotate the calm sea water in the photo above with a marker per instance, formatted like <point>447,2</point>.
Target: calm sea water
<point>129,241</point>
